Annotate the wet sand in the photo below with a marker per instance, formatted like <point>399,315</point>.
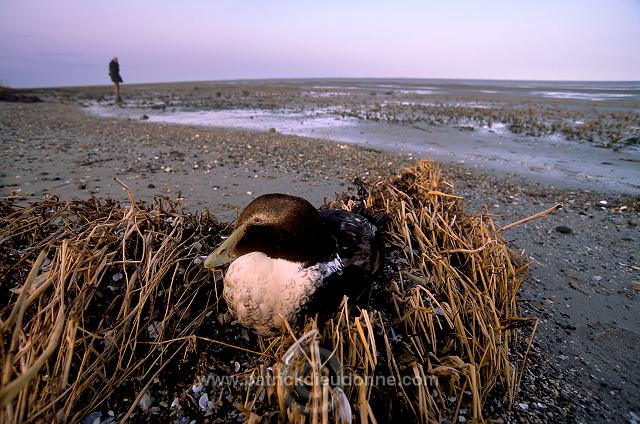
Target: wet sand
<point>584,286</point>
<point>549,160</point>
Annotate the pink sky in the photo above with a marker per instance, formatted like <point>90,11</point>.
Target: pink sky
<point>67,43</point>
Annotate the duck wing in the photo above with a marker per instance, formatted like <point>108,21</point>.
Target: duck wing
<point>357,240</point>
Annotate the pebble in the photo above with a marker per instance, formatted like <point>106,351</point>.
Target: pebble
<point>203,402</point>
<point>92,418</point>
<point>146,401</point>
<point>564,229</point>
<point>154,329</point>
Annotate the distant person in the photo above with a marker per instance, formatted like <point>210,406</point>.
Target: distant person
<point>114,73</point>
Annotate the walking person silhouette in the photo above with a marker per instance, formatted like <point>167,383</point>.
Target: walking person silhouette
<point>114,73</point>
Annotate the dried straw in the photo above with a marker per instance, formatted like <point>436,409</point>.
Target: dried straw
<point>101,301</point>
<point>109,299</point>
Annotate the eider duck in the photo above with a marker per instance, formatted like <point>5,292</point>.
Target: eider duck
<point>287,258</point>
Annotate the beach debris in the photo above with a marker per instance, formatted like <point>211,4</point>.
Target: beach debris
<point>12,95</point>
<point>531,218</point>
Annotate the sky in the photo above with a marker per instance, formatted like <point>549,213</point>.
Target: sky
<point>47,43</point>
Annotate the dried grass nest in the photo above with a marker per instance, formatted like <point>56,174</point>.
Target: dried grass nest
<point>107,312</point>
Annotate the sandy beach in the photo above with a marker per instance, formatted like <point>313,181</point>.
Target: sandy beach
<point>584,281</point>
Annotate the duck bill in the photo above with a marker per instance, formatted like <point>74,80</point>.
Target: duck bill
<point>224,253</point>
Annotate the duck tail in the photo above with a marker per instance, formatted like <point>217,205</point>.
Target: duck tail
<point>379,219</point>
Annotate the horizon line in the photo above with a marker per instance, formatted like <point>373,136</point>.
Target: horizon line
<point>327,79</point>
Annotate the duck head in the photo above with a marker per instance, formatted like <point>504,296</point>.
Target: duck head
<point>279,225</point>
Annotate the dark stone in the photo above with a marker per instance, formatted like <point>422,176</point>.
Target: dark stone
<point>564,229</point>
<point>8,95</point>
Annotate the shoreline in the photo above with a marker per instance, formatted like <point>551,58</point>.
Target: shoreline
<point>464,129</point>
<point>563,164</point>
<point>581,285</point>
<point>224,163</point>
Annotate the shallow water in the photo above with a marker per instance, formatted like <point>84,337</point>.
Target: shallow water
<point>284,121</point>
<point>583,96</point>
<point>575,90</point>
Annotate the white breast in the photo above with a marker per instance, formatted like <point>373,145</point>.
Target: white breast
<point>261,291</point>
